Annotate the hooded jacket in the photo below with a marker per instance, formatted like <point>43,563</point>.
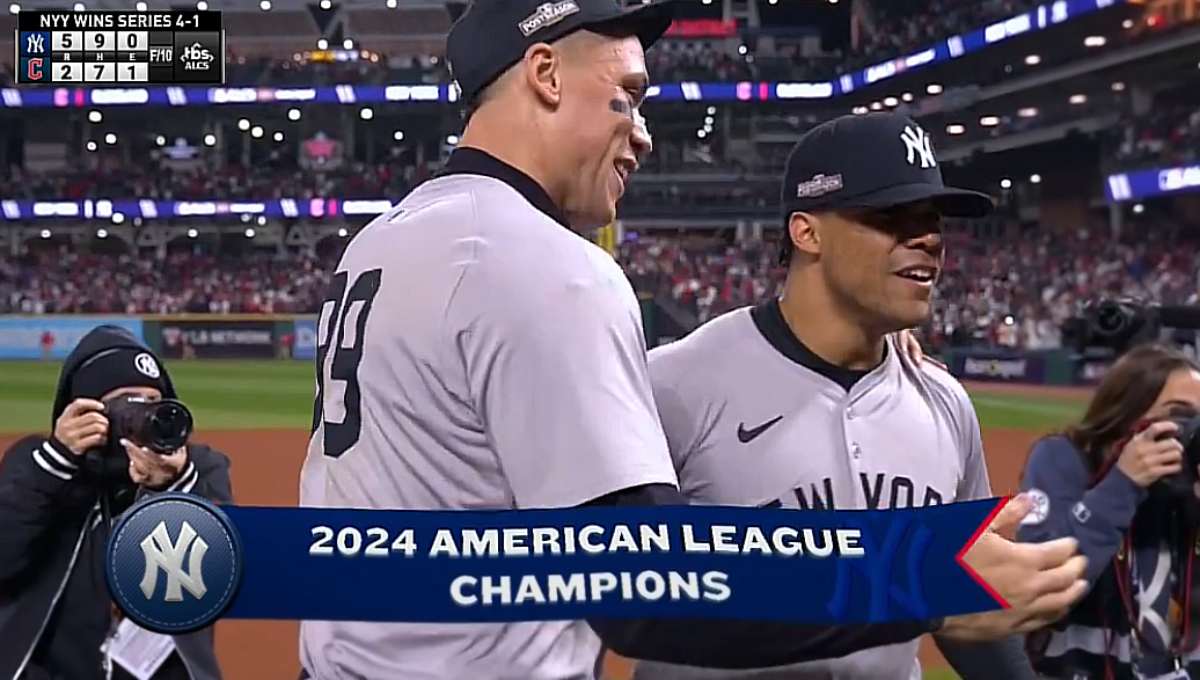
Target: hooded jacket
<point>55,610</point>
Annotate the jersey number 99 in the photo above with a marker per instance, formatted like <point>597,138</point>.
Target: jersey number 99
<point>353,306</point>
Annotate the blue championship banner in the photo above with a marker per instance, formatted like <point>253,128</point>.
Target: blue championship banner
<point>177,563</point>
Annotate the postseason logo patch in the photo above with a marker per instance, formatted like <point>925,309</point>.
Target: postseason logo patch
<point>819,185</point>
<point>546,15</point>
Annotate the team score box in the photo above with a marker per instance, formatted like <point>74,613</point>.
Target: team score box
<point>351,542</point>
<point>67,41</point>
<point>70,72</point>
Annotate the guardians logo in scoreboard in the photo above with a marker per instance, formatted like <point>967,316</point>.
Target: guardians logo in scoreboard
<point>106,47</point>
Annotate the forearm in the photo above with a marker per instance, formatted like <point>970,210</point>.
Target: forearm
<point>735,644</point>
<point>996,660</point>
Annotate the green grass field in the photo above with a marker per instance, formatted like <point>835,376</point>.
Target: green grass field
<point>234,395</point>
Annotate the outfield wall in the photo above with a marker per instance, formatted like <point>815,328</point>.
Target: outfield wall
<point>184,336</point>
<point>1045,367</point>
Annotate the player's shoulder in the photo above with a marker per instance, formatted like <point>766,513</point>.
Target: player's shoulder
<point>698,353</point>
<point>939,385</point>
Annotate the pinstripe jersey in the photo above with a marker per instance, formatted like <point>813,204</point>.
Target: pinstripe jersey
<point>754,419</point>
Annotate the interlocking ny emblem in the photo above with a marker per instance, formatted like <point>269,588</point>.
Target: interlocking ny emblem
<point>918,144</point>
<point>161,553</point>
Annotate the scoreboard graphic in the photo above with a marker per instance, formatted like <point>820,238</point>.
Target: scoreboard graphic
<point>112,48</point>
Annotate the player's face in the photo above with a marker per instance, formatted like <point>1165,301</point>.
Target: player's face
<point>1181,392</point>
<point>883,264</point>
<point>601,94</point>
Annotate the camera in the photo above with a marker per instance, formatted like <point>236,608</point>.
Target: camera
<point>161,426</point>
<point>1114,325</point>
<point>1179,485</point>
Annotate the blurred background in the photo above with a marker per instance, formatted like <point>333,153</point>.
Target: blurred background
<point>190,210</point>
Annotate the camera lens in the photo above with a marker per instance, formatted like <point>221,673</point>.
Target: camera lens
<point>170,426</point>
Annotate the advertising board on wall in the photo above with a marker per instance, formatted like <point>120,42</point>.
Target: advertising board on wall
<point>52,337</point>
<point>218,339</point>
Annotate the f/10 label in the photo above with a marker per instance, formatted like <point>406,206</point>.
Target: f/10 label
<point>352,542</point>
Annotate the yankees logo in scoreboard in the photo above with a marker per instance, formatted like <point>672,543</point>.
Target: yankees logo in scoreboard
<point>104,47</point>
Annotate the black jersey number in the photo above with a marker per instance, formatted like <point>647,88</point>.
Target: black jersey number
<point>340,436</point>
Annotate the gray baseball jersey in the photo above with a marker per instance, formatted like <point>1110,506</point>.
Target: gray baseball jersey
<point>755,418</point>
<point>474,354</point>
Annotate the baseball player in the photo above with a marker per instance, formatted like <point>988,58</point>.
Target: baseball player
<point>476,352</point>
<point>806,401</point>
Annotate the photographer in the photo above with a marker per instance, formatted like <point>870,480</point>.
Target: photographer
<point>1119,482</point>
<point>58,498</point>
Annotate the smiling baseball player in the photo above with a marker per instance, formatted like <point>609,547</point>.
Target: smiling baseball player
<point>807,401</point>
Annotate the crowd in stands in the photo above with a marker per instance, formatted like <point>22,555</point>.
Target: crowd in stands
<point>1167,135</point>
<point>1014,296</point>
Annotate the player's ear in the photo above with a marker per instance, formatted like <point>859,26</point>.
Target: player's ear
<point>543,70</point>
<point>804,230</point>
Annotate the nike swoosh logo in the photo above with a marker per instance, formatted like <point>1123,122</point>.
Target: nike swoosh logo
<point>746,436</point>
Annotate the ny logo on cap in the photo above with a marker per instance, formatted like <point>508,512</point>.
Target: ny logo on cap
<point>917,143</point>
<point>146,365</point>
<point>547,14</point>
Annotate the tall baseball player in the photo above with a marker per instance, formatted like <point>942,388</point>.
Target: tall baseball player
<point>806,401</point>
<point>475,352</point>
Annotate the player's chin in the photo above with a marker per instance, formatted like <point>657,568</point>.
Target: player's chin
<point>909,313</point>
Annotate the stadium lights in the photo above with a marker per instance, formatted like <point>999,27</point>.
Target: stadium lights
<point>201,5</point>
<point>701,134</point>
<point>1033,60</point>
<point>91,145</point>
<point>933,88</point>
<point>860,110</point>
<point>262,220</point>
<point>452,140</point>
<point>141,7</point>
<point>1094,41</point>
<point>347,44</point>
<point>210,140</point>
<point>773,2</point>
<point>160,140</point>
<point>1035,179</point>
<point>137,221</point>
<point>293,114</point>
<point>891,102</point>
<point>398,135</point>
<point>326,5</point>
<point>742,49</point>
<point>278,136</point>
<point>391,4</point>
<point>342,232</point>
<point>79,7</point>
<point>246,217</point>
<point>1127,24</point>
<point>876,106</point>
<point>249,232</point>
<point>1118,86</point>
<point>95,116</point>
<point>709,120</point>
<point>712,111</point>
<point>706,2</point>
<point>102,232</point>
<point>45,233</point>
<point>1138,209</point>
<point>192,233</point>
<point>110,138</point>
<point>15,9</point>
<point>907,96</point>
<point>366,113</point>
<point>265,5</point>
<point>243,124</point>
<point>1009,320</point>
<point>955,129</point>
<point>118,218</point>
<point>256,132</point>
<point>989,121</point>
<point>1028,112</point>
<point>1078,99</point>
<point>833,2</point>
<point>1006,183</point>
<point>322,44</point>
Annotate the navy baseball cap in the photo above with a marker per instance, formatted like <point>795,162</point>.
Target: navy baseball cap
<point>492,35</point>
<point>871,161</point>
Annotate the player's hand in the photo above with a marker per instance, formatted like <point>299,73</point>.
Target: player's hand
<point>153,470</point>
<point>912,347</point>
<point>82,426</point>
<point>1040,581</point>
<point>1152,454</point>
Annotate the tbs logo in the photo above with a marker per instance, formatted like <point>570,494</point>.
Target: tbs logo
<point>196,57</point>
<point>174,563</point>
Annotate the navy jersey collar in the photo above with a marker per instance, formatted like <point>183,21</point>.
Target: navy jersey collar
<point>471,161</point>
<point>768,317</point>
